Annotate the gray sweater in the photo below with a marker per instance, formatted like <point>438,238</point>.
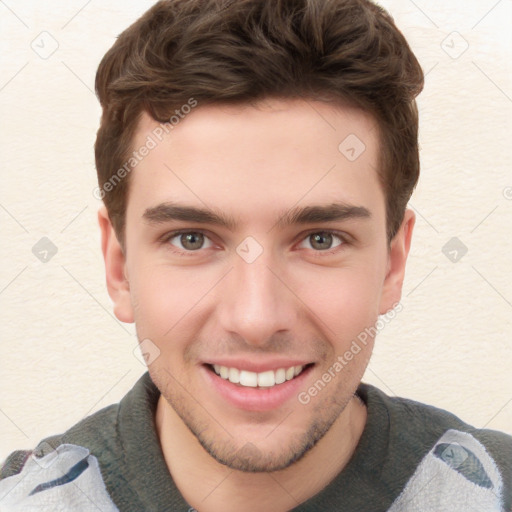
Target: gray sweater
<point>411,457</point>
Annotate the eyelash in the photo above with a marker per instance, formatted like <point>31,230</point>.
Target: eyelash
<point>169,236</point>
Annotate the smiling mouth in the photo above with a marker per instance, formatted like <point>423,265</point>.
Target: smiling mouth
<point>266,379</point>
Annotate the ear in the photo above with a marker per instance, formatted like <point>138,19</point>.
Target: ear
<point>397,257</point>
<point>118,285</point>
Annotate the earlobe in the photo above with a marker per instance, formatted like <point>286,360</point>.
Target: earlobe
<point>397,258</point>
<point>118,285</point>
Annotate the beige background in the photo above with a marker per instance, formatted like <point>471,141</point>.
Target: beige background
<point>63,355</point>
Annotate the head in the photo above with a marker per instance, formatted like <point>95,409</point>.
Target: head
<point>293,126</point>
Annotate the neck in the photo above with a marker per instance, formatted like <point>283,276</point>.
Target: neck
<point>208,485</point>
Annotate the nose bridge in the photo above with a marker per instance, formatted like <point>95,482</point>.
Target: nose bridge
<point>255,304</point>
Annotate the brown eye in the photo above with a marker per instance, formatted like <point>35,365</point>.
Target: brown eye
<point>192,241</point>
<point>323,240</point>
<point>189,241</point>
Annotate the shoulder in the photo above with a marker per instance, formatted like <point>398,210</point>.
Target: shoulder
<point>449,459</point>
<point>412,419</point>
<point>92,430</point>
<point>41,479</point>
<point>38,477</point>
<point>13,464</point>
<point>89,459</point>
<point>432,422</point>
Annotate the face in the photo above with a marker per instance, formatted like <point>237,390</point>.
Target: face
<point>256,249</point>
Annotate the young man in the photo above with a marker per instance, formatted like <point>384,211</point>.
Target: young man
<point>255,159</point>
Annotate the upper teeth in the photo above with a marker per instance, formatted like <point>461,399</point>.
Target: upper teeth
<point>252,379</point>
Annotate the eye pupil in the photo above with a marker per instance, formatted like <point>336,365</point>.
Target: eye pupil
<point>323,239</point>
<point>192,241</point>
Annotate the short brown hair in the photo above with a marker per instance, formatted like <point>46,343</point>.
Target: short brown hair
<point>242,51</point>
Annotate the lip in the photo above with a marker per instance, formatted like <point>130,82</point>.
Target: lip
<point>258,366</point>
<point>255,399</point>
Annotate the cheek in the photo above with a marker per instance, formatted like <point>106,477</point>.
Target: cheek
<point>346,300</point>
<point>161,298</point>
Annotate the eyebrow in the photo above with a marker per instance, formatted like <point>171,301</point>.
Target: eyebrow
<point>170,211</point>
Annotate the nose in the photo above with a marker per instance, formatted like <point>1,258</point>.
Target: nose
<point>256,303</point>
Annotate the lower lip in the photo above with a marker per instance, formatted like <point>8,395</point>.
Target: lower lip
<point>256,399</point>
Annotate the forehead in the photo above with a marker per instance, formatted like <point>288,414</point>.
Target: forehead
<point>250,160</point>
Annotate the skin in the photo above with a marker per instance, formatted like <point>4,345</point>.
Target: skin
<point>300,298</point>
